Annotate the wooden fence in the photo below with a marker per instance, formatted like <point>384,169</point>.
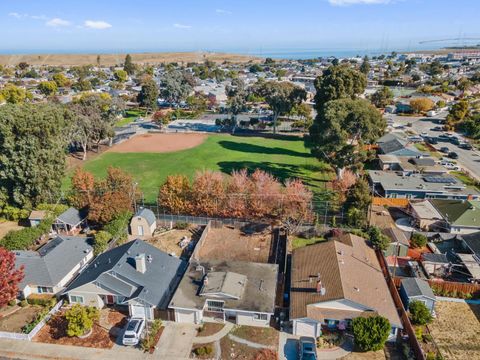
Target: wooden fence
<point>448,286</point>
<point>380,201</point>
<point>407,326</point>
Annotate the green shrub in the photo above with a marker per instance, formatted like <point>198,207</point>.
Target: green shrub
<point>370,333</point>
<point>181,225</point>
<point>149,341</point>
<point>22,239</point>
<point>80,319</point>
<point>418,240</point>
<point>430,355</point>
<point>30,326</point>
<point>419,313</point>
<point>12,302</point>
<point>419,333</point>
<point>118,227</point>
<point>23,303</point>
<point>100,243</point>
<point>55,209</point>
<point>377,238</point>
<point>14,214</point>
<point>204,350</point>
<point>426,338</point>
<point>50,302</point>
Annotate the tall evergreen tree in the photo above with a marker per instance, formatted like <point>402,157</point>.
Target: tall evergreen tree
<point>129,66</point>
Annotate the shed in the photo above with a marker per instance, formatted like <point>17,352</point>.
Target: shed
<point>70,222</point>
<point>36,216</point>
<point>418,290</point>
<point>143,223</point>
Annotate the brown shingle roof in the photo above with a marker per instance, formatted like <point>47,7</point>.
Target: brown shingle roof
<point>348,269</point>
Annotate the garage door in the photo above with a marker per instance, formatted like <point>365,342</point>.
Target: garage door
<point>137,311</point>
<point>185,316</point>
<point>306,328</point>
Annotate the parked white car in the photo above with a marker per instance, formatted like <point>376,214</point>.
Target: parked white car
<point>133,331</point>
<point>450,166</point>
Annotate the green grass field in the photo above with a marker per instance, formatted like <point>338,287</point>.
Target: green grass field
<point>284,158</point>
<point>131,115</point>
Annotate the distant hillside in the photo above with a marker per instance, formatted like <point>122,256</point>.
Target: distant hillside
<point>114,59</point>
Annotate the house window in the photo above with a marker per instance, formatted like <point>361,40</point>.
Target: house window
<point>76,299</point>
<point>213,305</point>
<point>258,316</point>
<point>331,323</point>
<point>44,290</point>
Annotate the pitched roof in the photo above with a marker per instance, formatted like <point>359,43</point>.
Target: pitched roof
<point>115,271</point>
<point>37,215</point>
<point>348,269</point>
<point>458,212</point>
<point>417,287</point>
<point>224,282</point>
<point>147,214</point>
<point>71,216</point>
<point>473,242</point>
<point>436,258</point>
<point>53,261</point>
<point>425,210</point>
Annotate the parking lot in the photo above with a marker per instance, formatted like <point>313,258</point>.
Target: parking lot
<point>467,159</point>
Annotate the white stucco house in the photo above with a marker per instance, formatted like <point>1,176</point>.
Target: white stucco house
<point>240,292</point>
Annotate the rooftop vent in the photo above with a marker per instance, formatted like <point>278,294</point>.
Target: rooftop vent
<point>320,288</point>
<point>205,280</point>
<point>356,289</point>
<point>149,258</point>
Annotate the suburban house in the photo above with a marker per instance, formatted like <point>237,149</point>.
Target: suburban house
<point>241,292</point>
<point>418,186</point>
<point>395,144</point>
<point>472,260</point>
<point>135,274</point>
<point>415,289</point>
<point>54,265</point>
<point>425,216</point>
<point>336,281</point>
<point>460,216</point>
<point>399,243</point>
<point>70,222</point>
<point>410,165</point>
<point>143,223</point>
<point>36,216</point>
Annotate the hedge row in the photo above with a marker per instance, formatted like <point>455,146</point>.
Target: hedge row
<point>24,238</point>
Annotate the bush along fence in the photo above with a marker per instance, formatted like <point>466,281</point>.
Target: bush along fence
<point>38,325</point>
<point>451,289</point>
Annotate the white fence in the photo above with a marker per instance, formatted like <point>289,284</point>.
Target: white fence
<point>35,330</point>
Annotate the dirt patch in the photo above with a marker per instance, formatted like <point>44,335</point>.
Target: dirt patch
<point>370,355</point>
<point>230,244</point>
<point>54,332</point>
<point>456,330</point>
<point>159,143</point>
<point>260,335</point>
<point>6,226</point>
<point>20,318</point>
<point>209,328</point>
<point>116,318</point>
<point>169,241</point>
<point>233,350</point>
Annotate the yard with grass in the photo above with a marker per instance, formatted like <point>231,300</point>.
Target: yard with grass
<point>298,242</point>
<point>284,157</point>
<point>130,116</point>
<point>466,179</point>
<point>261,335</point>
<point>456,330</point>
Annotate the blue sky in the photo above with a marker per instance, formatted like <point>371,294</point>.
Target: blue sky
<point>250,26</point>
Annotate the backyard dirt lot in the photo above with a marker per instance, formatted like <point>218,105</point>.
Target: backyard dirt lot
<point>233,245</point>
<point>6,226</point>
<point>20,318</point>
<point>159,143</point>
<point>456,330</point>
<point>168,241</point>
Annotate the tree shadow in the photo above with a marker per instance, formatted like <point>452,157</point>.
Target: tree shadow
<point>258,149</point>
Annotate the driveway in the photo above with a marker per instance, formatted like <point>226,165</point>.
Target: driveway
<point>176,341</point>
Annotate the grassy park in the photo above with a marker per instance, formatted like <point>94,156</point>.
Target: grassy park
<point>130,116</point>
<point>283,157</point>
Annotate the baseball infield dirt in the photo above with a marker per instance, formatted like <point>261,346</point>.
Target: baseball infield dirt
<point>159,143</point>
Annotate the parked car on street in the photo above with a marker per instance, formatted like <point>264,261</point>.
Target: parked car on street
<point>307,349</point>
<point>444,149</point>
<point>452,155</point>
<point>133,331</point>
<point>465,146</point>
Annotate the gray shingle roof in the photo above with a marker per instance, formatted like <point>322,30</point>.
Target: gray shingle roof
<point>53,261</point>
<point>417,287</point>
<point>147,214</point>
<point>71,216</point>
<point>473,241</point>
<point>438,258</point>
<point>115,270</point>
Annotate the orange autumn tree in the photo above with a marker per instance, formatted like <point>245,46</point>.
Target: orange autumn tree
<point>208,193</point>
<point>341,185</point>
<point>175,194</point>
<point>237,188</point>
<point>264,195</point>
<point>296,205</point>
<point>83,185</point>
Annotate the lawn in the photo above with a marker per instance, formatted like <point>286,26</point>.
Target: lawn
<point>283,157</point>
<point>131,115</point>
<point>466,179</point>
<point>298,242</point>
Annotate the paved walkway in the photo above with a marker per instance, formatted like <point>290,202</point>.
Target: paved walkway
<point>337,353</point>
<point>250,343</point>
<point>217,336</point>
<point>176,341</point>
<point>442,298</point>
